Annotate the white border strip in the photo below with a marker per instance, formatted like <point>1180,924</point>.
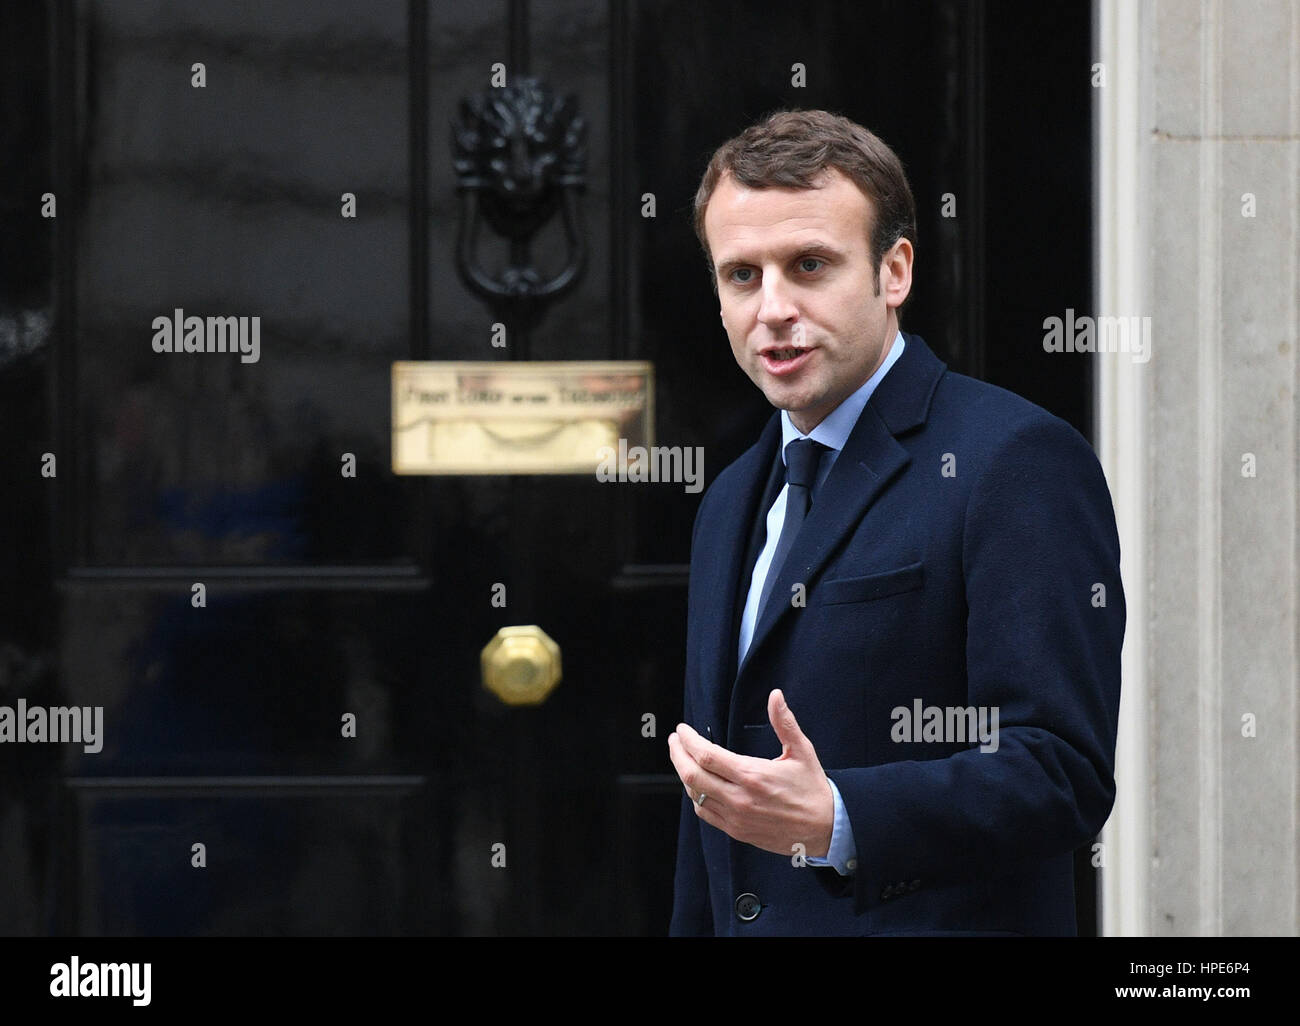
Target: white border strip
<point>1209,530</point>
<point>1121,125</point>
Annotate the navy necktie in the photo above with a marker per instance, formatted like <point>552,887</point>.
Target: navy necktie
<point>802,457</point>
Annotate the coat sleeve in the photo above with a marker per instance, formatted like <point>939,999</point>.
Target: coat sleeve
<point>1045,623</point>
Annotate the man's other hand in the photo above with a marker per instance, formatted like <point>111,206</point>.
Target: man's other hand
<point>773,804</point>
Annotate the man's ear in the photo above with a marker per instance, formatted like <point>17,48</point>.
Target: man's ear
<point>896,271</point>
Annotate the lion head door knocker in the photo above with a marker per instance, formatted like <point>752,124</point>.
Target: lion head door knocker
<point>520,156</point>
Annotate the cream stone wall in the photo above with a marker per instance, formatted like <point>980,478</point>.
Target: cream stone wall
<point>1198,194</point>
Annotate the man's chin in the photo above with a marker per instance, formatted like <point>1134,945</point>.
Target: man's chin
<point>802,413</point>
<point>795,400</point>
<point>786,397</point>
<point>784,402</point>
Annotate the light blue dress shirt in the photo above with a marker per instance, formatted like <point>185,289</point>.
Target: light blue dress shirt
<point>832,432</point>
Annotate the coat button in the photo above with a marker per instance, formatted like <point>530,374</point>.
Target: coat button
<point>747,907</point>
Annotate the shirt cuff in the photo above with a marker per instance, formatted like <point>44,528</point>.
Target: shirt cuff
<point>843,853</point>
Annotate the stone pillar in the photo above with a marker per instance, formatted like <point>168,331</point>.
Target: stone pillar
<point>1198,201</point>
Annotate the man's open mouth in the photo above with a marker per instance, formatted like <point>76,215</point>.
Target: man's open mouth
<point>785,360</point>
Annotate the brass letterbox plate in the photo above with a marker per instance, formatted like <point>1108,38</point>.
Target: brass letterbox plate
<point>500,417</point>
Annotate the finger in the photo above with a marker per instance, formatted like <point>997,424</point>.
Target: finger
<point>713,813</point>
<point>682,763</point>
<point>693,778</point>
<point>793,740</point>
<point>713,759</point>
<point>697,780</point>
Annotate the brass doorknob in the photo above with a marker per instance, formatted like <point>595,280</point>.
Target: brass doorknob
<point>521,665</point>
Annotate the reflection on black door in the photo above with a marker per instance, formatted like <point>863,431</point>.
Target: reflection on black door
<point>283,635</point>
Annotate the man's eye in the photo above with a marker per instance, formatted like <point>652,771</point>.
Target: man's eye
<point>742,275</point>
<point>803,264</point>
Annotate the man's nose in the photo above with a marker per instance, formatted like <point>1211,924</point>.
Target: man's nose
<point>778,305</point>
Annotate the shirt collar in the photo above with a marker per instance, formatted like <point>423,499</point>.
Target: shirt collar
<point>834,430</point>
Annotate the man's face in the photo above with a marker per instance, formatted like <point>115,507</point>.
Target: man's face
<point>809,316</point>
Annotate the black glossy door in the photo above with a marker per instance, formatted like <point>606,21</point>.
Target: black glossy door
<point>221,192</point>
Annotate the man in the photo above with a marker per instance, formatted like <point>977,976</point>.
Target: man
<point>923,566</point>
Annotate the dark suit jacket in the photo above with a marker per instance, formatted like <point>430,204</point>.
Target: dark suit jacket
<point>963,552</point>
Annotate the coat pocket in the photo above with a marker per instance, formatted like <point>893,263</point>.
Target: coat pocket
<point>839,590</point>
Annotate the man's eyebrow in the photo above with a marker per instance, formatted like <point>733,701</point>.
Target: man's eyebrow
<point>791,253</point>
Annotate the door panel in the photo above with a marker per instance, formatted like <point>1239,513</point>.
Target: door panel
<point>225,201</point>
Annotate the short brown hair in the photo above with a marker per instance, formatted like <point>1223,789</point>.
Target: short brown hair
<point>792,148</point>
